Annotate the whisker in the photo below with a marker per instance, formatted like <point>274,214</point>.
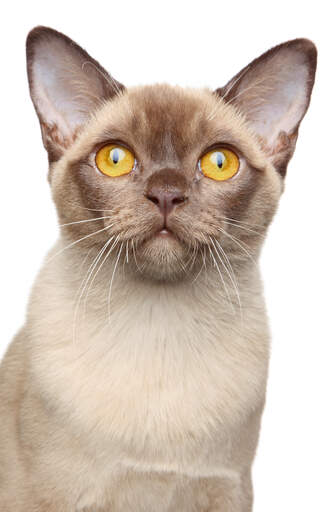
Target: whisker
<point>244,223</point>
<point>203,256</point>
<point>88,209</point>
<point>182,265</point>
<point>243,228</point>
<point>99,268</point>
<point>85,283</point>
<point>221,278</point>
<point>239,243</point>
<point>192,257</point>
<point>111,283</point>
<point>86,257</point>
<point>202,267</point>
<point>81,221</point>
<point>126,257</point>
<point>229,271</point>
<point>134,256</point>
<point>232,222</point>
<point>77,242</point>
<point>127,251</point>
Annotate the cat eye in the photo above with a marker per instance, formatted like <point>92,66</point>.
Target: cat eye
<point>114,160</point>
<point>219,164</point>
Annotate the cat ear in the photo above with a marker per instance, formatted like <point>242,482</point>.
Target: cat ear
<point>66,86</point>
<point>273,93</point>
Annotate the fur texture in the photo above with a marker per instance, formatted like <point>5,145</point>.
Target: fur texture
<point>138,381</point>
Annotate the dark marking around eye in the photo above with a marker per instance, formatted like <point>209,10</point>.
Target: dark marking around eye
<point>220,160</point>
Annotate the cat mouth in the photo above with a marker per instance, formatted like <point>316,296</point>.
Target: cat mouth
<point>165,233</point>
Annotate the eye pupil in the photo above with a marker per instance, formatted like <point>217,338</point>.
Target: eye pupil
<point>115,156</point>
<point>220,160</point>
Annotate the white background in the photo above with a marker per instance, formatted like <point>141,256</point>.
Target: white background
<point>205,45</point>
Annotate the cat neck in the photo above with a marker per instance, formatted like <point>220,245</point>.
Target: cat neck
<point>168,343</point>
<point>70,292</point>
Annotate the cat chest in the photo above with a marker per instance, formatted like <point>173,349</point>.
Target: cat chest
<point>156,401</point>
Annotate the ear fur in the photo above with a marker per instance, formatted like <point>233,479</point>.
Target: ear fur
<point>273,93</point>
<point>66,86</point>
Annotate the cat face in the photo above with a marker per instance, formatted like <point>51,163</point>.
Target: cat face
<point>201,172</point>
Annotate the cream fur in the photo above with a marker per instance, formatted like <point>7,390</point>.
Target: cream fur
<point>177,401</point>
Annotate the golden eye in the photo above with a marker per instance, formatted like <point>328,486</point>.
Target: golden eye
<point>219,164</point>
<point>114,160</point>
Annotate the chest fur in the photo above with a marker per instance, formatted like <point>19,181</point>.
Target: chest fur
<point>160,382</point>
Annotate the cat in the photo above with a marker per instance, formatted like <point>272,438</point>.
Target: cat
<point>137,383</point>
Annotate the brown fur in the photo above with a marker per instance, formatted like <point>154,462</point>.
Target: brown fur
<point>141,388</point>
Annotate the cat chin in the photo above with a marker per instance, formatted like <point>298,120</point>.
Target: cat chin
<point>162,257</point>
<point>162,274</point>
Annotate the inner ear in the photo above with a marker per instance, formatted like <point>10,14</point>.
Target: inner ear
<point>273,93</point>
<point>66,86</point>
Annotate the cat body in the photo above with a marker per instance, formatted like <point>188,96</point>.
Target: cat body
<point>138,381</point>
<point>141,427</point>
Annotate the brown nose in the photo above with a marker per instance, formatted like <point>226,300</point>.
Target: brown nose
<point>165,200</point>
<point>166,189</point>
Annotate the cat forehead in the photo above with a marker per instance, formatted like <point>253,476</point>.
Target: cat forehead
<point>170,122</point>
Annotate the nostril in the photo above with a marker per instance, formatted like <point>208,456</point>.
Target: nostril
<point>165,200</point>
<point>154,199</point>
<point>179,200</point>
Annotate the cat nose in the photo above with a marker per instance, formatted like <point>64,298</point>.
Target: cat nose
<point>166,189</point>
<point>165,200</point>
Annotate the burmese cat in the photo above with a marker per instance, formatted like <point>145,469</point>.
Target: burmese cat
<point>138,381</point>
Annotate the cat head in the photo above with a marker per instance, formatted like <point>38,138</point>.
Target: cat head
<point>176,177</point>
